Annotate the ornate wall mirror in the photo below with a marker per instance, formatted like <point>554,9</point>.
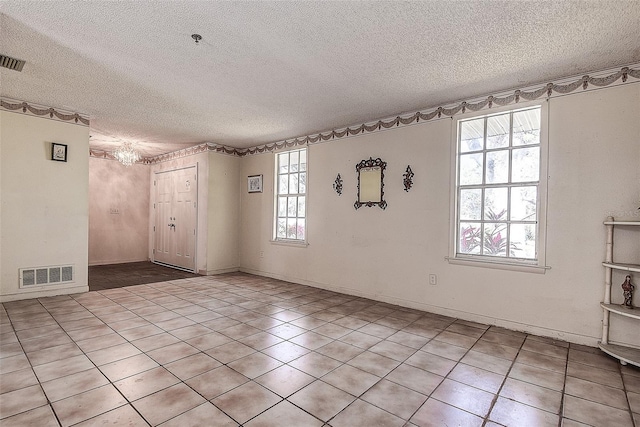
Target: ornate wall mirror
<point>371,183</point>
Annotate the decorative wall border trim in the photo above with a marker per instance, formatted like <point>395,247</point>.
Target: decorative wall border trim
<point>563,87</point>
<point>189,151</point>
<point>196,149</point>
<point>548,90</point>
<point>102,154</point>
<point>32,109</point>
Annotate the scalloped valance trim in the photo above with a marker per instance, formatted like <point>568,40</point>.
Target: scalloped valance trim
<point>189,151</point>
<point>41,111</point>
<point>549,90</point>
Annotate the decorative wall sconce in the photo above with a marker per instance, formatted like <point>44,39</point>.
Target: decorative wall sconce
<point>408,179</point>
<point>337,185</point>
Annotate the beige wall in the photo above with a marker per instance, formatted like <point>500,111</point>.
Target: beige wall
<point>44,204</point>
<point>594,152</point>
<point>223,214</point>
<point>118,212</point>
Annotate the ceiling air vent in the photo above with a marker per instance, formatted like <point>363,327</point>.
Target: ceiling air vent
<point>11,63</point>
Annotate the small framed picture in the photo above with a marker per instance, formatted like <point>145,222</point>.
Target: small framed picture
<point>254,184</point>
<point>59,152</point>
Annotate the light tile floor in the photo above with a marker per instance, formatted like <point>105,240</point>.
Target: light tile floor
<point>244,350</point>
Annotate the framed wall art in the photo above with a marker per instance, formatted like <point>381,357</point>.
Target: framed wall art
<point>254,184</point>
<point>59,152</point>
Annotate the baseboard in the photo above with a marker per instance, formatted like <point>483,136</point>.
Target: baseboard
<point>220,271</point>
<point>118,261</point>
<point>444,311</point>
<point>43,293</point>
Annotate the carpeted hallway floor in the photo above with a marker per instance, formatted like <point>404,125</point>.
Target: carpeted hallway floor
<point>133,273</point>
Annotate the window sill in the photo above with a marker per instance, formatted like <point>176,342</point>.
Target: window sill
<point>498,265</point>
<point>293,243</point>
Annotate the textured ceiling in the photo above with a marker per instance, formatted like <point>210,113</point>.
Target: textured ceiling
<point>267,71</point>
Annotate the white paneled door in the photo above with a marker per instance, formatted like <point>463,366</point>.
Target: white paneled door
<point>176,218</point>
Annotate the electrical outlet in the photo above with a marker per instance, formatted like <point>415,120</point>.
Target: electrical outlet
<point>433,279</point>
<point>261,254</point>
<point>114,211</point>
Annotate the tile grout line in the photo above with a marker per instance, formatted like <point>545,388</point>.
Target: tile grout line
<point>96,367</point>
<point>382,378</point>
<point>128,341</point>
<point>626,394</point>
<point>223,364</point>
<point>310,351</point>
<point>49,403</point>
<point>163,366</point>
<point>443,378</point>
<point>159,364</point>
<point>564,386</point>
<point>506,376</point>
<point>129,403</point>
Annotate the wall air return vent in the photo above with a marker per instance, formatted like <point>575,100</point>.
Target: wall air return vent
<point>44,276</point>
<point>11,63</point>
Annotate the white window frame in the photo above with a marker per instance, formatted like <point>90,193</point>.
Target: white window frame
<point>517,264</point>
<point>289,241</point>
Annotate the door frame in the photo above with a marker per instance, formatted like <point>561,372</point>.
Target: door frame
<point>154,212</point>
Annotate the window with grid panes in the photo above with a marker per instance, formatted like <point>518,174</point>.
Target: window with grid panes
<point>498,191</point>
<point>291,195</point>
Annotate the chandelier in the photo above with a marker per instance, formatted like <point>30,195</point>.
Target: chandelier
<point>126,154</point>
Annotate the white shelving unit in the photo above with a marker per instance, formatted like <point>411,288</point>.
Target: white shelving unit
<point>623,353</point>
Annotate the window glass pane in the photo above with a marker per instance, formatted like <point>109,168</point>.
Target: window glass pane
<point>282,206</point>
<point>293,183</point>
<point>526,127</point>
<point>291,228</point>
<point>525,164</point>
<point>471,169</point>
<point>526,138</point>
<point>498,131</point>
<point>293,161</point>
<point>302,182</point>
<point>283,184</point>
<point>495,217</point>
<point>283,161</point>
<point>469,238</point>
<point>303,160</point>
<point>471,135</point>
<point>292,205</point>
<point>497,167</point>
<point>470,204</point>
<point>523,241</point>
<point>523,203</point>
<point>495,239</point>
<point>495,204</point>
<point>281,231</point>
